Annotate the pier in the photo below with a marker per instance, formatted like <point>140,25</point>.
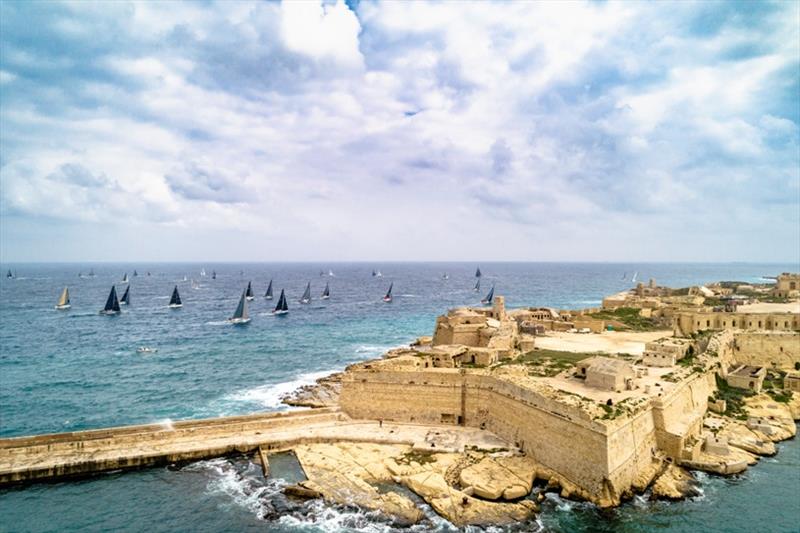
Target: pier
<point>83,453</point>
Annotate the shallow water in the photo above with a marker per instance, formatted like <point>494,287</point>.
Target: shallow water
<point>71,370</point>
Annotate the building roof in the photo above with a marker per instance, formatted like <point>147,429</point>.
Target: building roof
<point>746,371</point>
<point>607,365</point>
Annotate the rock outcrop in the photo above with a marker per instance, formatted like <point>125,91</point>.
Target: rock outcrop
<point>674,483</point>
<point>323,393</point>
<point>509,478</point>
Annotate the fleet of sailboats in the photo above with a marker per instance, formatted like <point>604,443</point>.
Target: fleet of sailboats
<point>175,299</point>
<point>241,316</point>
<point>63,302</point>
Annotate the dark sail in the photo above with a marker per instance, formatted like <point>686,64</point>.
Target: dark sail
<point>268,294</point>
<point>9,274</point>
<point>285,306</point>
<point>489,296</point>
<point>388,297</point>
<point>176,298</point>
<point>214,274</point>
<point>241,309</point>
<point>327,292</point>
<point>126,298</point>
<point>478,272</point>
<point>249,291</point>
<point>306,298</point>
<point>282,305</point>
<point>135,274</point>
<point>112,304</point>
<point>478,285</point>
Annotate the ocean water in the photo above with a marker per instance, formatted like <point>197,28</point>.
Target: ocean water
<point>70,370</point>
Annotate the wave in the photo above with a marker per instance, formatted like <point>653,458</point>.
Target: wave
<point>243,490</point>
<point>269,396</point>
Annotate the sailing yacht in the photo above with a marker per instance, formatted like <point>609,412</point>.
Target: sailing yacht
<point>175,299</point>
<point>124,278</point>
<point>240,316</point>
<point>213,274</point>
<point>112,304</point>
<point>9,275</point>
<point>282,307</point>
<point>203,272</point>
<point>445,276</point>
<point>91,272</point>
<point>378,274</point>
<point>306,298</point>
<point>477,285</point>
<point>635,274</point>
<point>327,292</point>
<point>249,292</point>
<point>388,297</point>
<point>373,273</point>
<point>488,299</point>
<point>478,272</point>
<point>268,294</point>
<point>330,273</point>
<point>135,274</point>
<point>63,302</point>
<point>126,298</point>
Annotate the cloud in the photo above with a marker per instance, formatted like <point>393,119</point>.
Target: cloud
<point>325,127</point>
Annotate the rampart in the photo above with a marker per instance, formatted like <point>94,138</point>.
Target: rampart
<point>769,349</point>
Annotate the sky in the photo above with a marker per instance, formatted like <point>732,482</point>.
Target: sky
<point>439,131</point>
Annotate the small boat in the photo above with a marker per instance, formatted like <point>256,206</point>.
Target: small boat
<point>124,278</point>
<point>379,274</point>
<point>489,297</point>
<point>388,297</point>
<point>624,275</point>
<point>175,299</point>
<point>91,272</point>
<point>145,349</point>
<point>203,272</point>
<point>373,273</point>
<point>126,298</point>
<point>112,304</point>
<point>135,274</point>
<point>268,294</point>
<point>249,292</point>
<point>477,285</point>
<point>321,273</point>
<point>240,316</point>
<point>306,298</point>
<point>195,285</point>
<point>213,274</point>
<point>633,279</point>
<point>185,278</point>
<point>9,275</point>
<point>478,272</point>
<point>148,273</point>
<point>63,302</point>
<point>330,273</point>
<point>445,276</point>
<point>327,292</point>
<point>283,306</point>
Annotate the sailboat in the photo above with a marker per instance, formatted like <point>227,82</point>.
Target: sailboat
<point>388,297</point>
<point>124,278</point>
<point>91,272</point>
<point>112,304</point>
<point>477,285</point>
<point>148,273</point>
<point>126,298</point>
<point>306,298</point>
<point>213,274</point>
<point>185,278</point>
<point>635,274</point>
<point>268,294</point>
<point>175,300</point>
<point>624,275</point>
<point>203,272</point>
<point>63,302</point>
<point>330,273</point>
<point>249,292</point>
<point>9,275</point>
<point>373,273</point>
<point>445,276</point>
<point>240,316</point>
<point>135,274</point>
<point>478,272</point>
<point>488,299</point>
<point>379,274</point>
<point>327,292</point>
<point>282,307</point>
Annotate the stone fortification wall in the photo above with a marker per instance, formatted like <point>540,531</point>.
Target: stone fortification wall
<point>603,459</point>
<point>778,350</point>
<point>678,416</point>
<point>686,323</point>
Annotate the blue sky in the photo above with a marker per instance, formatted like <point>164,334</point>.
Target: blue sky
<point>600,131</point>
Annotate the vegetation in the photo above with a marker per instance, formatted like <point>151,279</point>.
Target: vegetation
<point>734,399</point>
<point>628,316</point>
<point>782,395</point>
<point>416,456</point>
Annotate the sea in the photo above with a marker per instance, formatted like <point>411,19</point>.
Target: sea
<point>75,369</point>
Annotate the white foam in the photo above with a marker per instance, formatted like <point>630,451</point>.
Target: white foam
<point>225,479</point>
<point>270,395</point>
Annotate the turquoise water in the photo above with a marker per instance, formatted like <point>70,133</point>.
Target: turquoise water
<point>71,370</point>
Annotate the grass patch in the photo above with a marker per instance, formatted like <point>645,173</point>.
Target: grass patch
<point>734,399</point>
<point>781,396</point>
<point>417,457</point>
<point>628,316</point>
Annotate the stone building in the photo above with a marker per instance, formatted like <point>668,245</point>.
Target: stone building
<point>607,373</point>
<point>688,322</point>
<point>787,286</point>
<point>666,352</point>
<point>791,381</point>
<point>747,377</point>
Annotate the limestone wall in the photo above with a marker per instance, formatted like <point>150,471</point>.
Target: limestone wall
<point>679,415</point>
<point>687,323</point>
<point>779,350</point>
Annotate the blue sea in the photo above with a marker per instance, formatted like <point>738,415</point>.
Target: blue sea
<point>75,369</point>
